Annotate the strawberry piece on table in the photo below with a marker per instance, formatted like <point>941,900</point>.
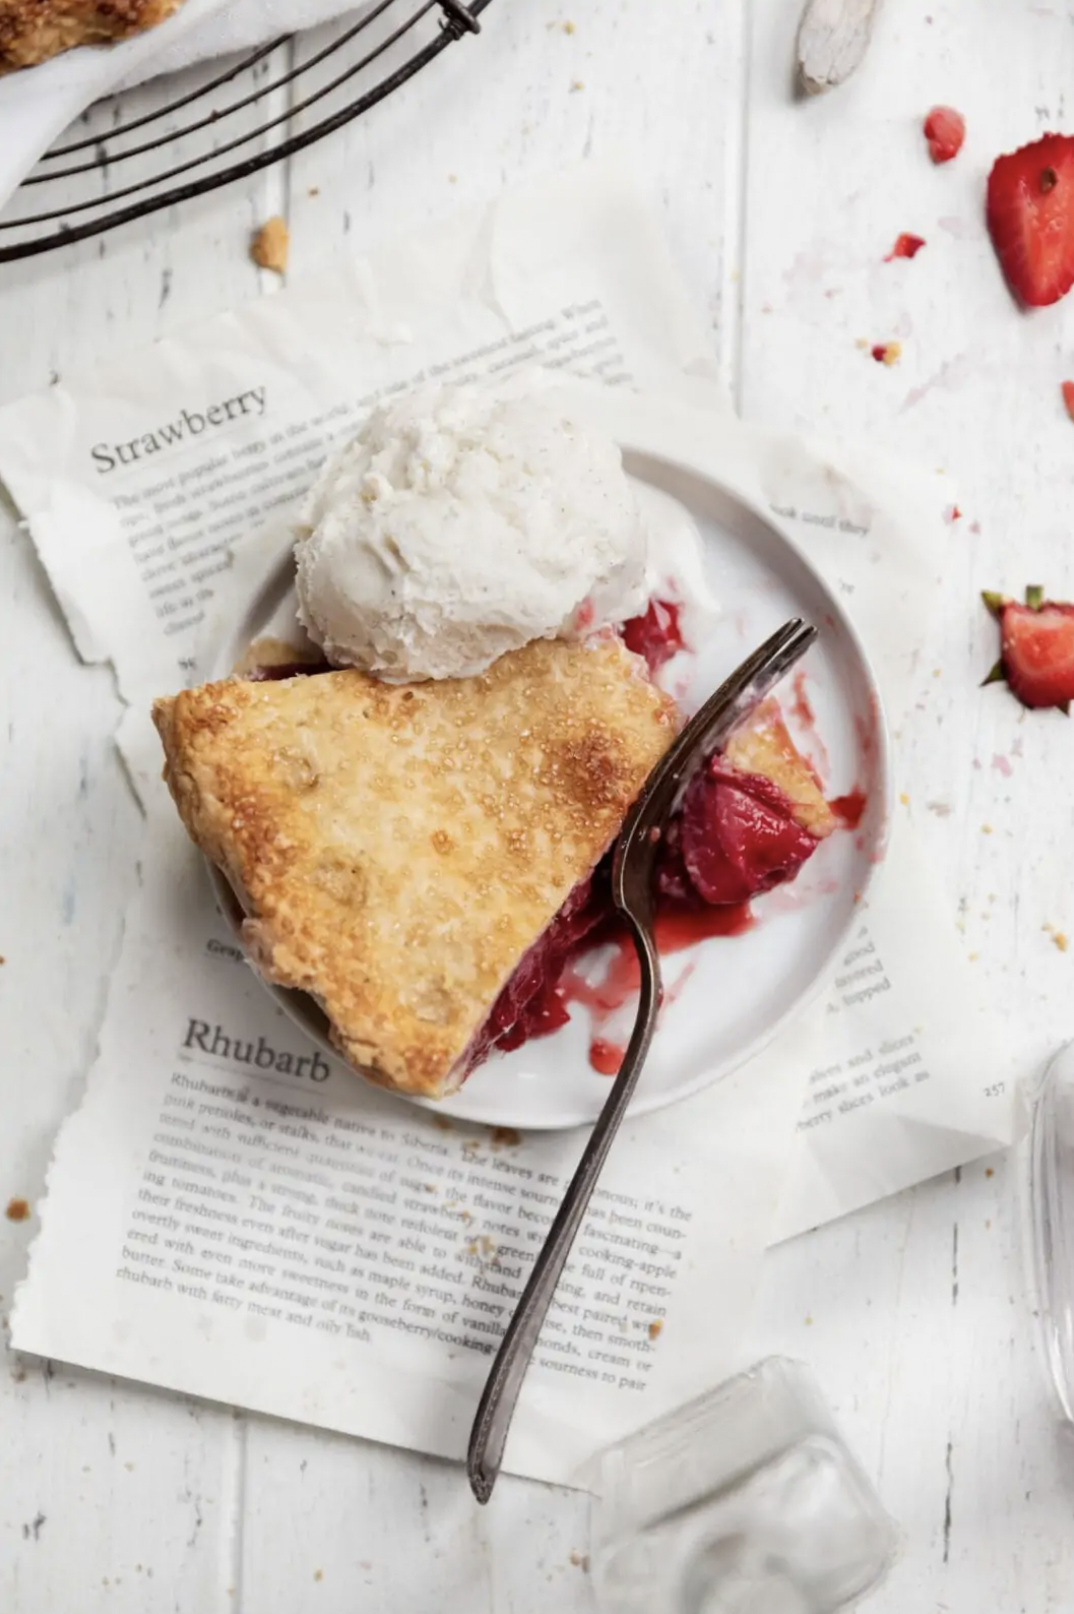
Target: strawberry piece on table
<point>1037,649</point>
<point>1030,214</point>
<point>906,246</point>
<point>1068,397</point>
<point>945,130</point>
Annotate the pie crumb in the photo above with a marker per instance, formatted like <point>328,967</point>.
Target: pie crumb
<point>315,190</point>
<point>580,1560</point>
<point>506,1137</point>
<point>269,246</point>
<point>577,85</point>
<point>318,1574</point>
<point>656,1328</point>
<point>17,1210</point>
<point>568,28</point>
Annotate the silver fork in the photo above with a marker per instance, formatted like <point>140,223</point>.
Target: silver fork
<point>633,866</point>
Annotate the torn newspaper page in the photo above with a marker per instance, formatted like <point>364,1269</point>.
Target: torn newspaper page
<point>232,1215</point>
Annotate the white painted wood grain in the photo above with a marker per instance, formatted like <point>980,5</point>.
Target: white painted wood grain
<point>779,221</point>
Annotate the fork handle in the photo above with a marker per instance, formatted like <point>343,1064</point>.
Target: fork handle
<point>500,1395</point>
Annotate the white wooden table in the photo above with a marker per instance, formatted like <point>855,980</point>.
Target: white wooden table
<point>127,1500</point>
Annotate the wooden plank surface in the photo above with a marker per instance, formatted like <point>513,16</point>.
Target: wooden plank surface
<point>779,213</point>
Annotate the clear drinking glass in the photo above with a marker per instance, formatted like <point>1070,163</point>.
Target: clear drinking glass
<point>746,1501</point>
<point>1047,1158</point>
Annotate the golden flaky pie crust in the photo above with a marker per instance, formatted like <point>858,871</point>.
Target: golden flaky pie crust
<point>31,31</point>
<point>400,848</point>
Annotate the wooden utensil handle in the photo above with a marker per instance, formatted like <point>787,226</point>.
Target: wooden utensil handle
<point>832,39</point>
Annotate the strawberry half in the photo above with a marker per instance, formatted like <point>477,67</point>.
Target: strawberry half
<point>945,130</point>
<point>1037,654</point>
<point>1031,219</point>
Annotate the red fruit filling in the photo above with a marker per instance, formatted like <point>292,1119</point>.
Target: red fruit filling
<point>531,1004</point>
<point>656,635</point>
<point>739,835</point>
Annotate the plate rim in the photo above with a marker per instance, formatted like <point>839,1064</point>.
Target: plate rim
<point>301,1006</point>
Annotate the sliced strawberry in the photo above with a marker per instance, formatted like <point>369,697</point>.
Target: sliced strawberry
<point>1031,219</point>
<point>906,246</point>
<point>945,130</point>
<point>1037,656</point>
<point>1068,397</point>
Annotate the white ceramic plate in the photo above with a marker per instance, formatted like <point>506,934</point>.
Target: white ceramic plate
<point>729,995</point>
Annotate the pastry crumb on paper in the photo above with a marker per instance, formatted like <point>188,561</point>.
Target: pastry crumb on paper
<point>270,245</point>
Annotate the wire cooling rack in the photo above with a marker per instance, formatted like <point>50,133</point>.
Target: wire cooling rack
<point>167,141</point>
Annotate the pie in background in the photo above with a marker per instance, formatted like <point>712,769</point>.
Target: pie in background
<point>33,31</point>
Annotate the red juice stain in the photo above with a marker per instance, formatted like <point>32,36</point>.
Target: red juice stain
<point>800,706</point>
<point>605,1057</point>
<point>849,808</point>
<point>617,985</point>
<point>676,929</point>
<point>906,246</point>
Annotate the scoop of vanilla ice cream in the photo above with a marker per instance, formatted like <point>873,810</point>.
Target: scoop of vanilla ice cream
<point>460,524</point>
